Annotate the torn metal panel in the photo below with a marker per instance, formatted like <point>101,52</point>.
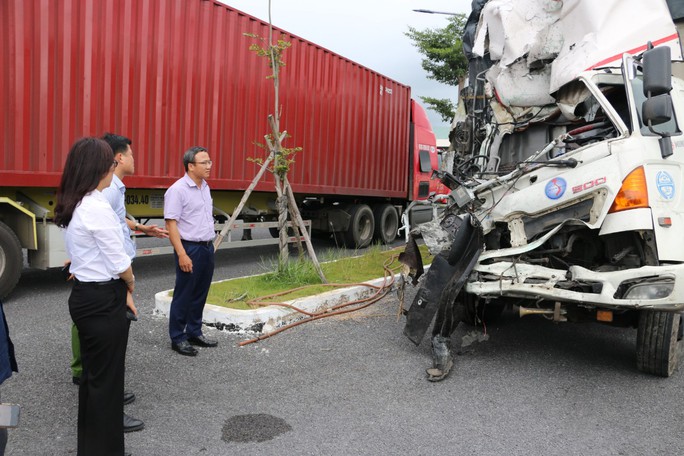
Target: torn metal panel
<point>513,28</point>
<point>517,85</point>
<point>525,36</point>
<point>596,34</point>
<point>435,236</point>
<point>412,258</point>
<point>443,282</point>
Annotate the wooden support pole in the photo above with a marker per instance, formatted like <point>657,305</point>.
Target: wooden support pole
<point>228,227</point>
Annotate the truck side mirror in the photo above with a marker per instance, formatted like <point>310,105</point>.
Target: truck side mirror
<point>657,71</point>
<point>657,109</point>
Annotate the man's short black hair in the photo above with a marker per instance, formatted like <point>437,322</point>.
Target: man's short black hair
<point>189,155</point>
<point>118,143</point>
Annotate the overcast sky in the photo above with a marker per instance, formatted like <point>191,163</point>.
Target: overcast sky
<point>370,32</point>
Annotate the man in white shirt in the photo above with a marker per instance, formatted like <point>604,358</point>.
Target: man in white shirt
<point>116,193</point>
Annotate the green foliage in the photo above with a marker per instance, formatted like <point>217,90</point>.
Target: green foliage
<point>296,273</point>
<point>265,51</point>
<point>442,49</point>
<point>443,106</point>
<point>444,60</point>
<point>284,159</point>
<point>273,53</point>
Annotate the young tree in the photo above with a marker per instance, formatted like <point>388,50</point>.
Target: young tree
<point>278,160</point>
<point>444,60</point>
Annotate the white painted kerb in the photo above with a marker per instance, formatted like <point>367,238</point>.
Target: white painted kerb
<point>271,316</point>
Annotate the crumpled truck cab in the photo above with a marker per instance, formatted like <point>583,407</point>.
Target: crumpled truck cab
<point>567,205</point>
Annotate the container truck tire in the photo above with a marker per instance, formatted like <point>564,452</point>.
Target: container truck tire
<point>657,342</point>
<point>11,260</point>
<point>361,227</point>
<point>386,223</point>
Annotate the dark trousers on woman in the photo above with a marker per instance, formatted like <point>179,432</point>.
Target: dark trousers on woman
<point>99,312</point>
<point>190,292</point>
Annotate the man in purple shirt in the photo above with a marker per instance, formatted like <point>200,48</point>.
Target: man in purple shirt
<point>188,213</point>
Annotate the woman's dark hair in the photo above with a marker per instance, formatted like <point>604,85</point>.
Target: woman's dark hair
<point>89,160</point>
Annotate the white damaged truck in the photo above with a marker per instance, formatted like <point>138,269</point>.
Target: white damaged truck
<point>568,176</point>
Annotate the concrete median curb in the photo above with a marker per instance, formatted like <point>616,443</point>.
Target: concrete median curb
<point>268,318</point>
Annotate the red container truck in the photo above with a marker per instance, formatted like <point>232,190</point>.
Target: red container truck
<point>173,74</point>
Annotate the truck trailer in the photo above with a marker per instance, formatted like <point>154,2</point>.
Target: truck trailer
<point>173,74</point>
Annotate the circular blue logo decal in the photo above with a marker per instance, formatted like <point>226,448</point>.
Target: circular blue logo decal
<point>555,188</point>
<point>665,184</point>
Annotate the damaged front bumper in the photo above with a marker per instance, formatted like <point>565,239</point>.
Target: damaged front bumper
<point>648,287</point>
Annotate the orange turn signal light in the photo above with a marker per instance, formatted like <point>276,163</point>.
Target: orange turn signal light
<point>633,194</point>
<point>604,315</point>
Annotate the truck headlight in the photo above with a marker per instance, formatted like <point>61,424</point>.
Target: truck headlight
<point>650,290</point>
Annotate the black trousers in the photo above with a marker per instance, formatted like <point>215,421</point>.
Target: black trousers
<point>190,292</point>
<point>99,312</point>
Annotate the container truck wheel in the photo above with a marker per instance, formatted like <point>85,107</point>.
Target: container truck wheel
<point>657,342</point>
<point>361,227</point>
<point>11,260</point>
<point>386,223</point>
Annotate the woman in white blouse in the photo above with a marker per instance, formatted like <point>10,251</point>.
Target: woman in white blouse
<point>103,283</point>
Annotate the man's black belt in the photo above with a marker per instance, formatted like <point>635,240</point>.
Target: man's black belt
<point>204,243</point>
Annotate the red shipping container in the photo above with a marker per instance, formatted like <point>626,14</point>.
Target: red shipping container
<point>171,74</point>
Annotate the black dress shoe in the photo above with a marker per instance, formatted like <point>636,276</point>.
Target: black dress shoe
<point>184,348</point>
<point>76,380</point>
<point>132,424</point>
<point>128,397</point>
<point>203,341</point>
<point>127,454</point>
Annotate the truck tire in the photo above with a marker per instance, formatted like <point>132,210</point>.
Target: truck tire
<point>11,260</point>
<point>386,223</point>
<point>361,227</point>
<point>657,342</point>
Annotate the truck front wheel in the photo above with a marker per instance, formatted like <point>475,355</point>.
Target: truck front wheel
<point>11,260</point>
<point>386,223</point>
<point>657,342</point>
<point>361,227</point>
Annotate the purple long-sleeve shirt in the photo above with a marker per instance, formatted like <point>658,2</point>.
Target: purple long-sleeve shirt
<point>191,207</point>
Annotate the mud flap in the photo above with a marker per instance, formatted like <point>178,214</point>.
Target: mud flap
<point>424,306</point>
<point>412,258</point>
<point>443,283</point>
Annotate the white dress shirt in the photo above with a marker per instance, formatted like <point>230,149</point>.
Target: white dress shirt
<point>116,195</point>
<point>94,241</point>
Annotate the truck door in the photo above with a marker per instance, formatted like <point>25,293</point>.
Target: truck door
<point>663,174</point>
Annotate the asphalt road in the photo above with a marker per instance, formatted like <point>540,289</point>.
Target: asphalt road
<point>345,386</point>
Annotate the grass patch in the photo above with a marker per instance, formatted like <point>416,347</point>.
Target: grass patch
<point>338,268</point>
